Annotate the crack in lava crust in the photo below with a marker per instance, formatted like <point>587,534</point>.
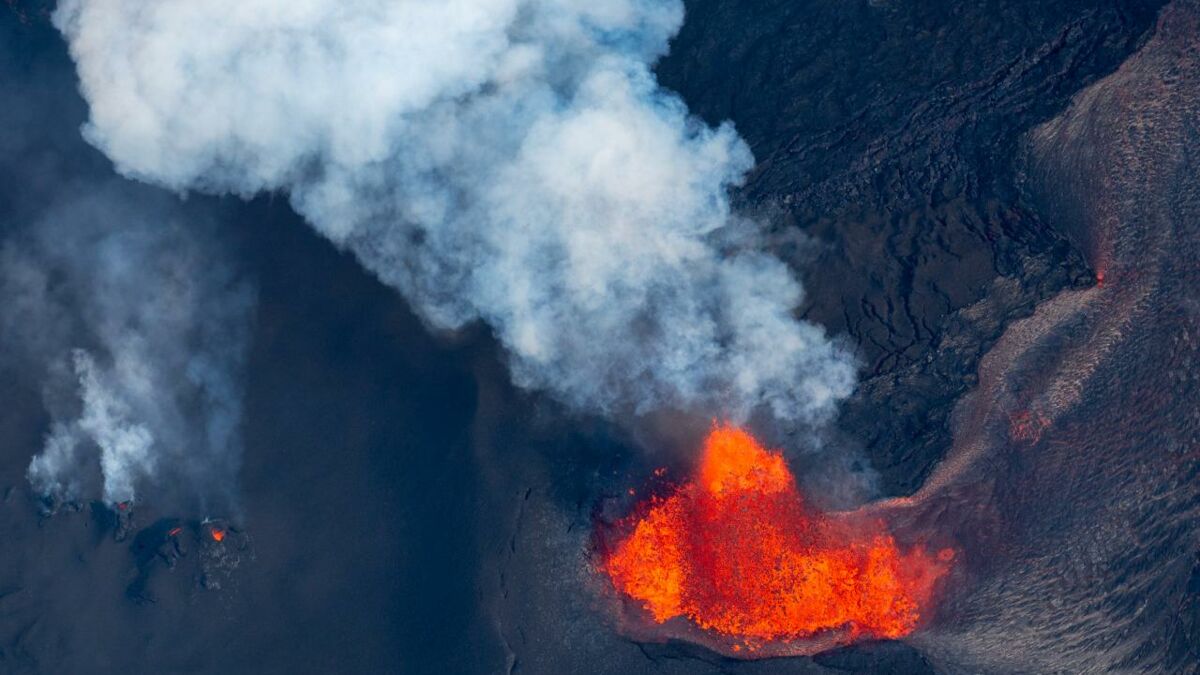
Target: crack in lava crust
<point>735,560</point>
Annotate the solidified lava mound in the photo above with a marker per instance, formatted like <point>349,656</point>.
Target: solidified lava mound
<point>737,556</point>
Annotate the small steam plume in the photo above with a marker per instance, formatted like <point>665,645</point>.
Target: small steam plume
<point>510,161</point>
<point>131,315</point>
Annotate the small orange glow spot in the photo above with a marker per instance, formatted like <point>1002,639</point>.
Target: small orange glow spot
<point>1100,278</point>
<point>736,551</point>
<point>218,534</point>
<point>1027,426</point>
<point>174,531</point>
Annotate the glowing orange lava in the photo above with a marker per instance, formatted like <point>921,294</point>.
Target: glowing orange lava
<point>218,534</point>
<point>737,552</point>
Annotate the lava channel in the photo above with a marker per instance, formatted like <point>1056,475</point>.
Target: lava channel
<point>735,560</point>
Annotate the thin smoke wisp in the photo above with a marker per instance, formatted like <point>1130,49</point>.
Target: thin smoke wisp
<point>137,326</point>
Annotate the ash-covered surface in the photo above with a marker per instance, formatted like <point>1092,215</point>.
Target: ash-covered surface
<point>404,509</point>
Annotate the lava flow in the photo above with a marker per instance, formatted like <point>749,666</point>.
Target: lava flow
<point>736,552</point>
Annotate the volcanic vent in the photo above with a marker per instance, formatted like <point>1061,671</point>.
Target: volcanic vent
<point>735,559</point>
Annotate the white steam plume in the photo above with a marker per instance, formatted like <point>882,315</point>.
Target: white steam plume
<point>513,161</point>
<point>138,326</point>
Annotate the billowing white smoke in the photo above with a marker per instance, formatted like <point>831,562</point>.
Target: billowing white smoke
<point>139,328</point>
<point>506,160</point>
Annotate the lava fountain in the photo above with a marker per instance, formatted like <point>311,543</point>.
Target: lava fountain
<point>735,559</point>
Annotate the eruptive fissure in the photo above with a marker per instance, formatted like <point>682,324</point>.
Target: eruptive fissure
<point>737,552</point>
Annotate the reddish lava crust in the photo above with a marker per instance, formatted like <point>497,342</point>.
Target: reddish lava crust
<point>737,553</point>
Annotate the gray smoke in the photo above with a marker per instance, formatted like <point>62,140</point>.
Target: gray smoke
<point>511,161</point>
<point>130,313</point>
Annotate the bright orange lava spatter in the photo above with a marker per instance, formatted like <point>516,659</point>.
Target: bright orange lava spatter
<point>736,551</point>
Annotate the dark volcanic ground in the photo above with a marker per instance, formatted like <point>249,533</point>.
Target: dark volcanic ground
<point>886,131</point>
<point>405,510</point>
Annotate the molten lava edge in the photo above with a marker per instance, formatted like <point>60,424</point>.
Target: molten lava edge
<point>737,552</point>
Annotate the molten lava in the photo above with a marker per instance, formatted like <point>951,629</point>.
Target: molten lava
<point>737,552</point>
<point>218,534</point>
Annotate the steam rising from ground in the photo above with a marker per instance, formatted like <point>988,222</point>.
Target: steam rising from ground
<point>506,160</point>
<point>141,328</point>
